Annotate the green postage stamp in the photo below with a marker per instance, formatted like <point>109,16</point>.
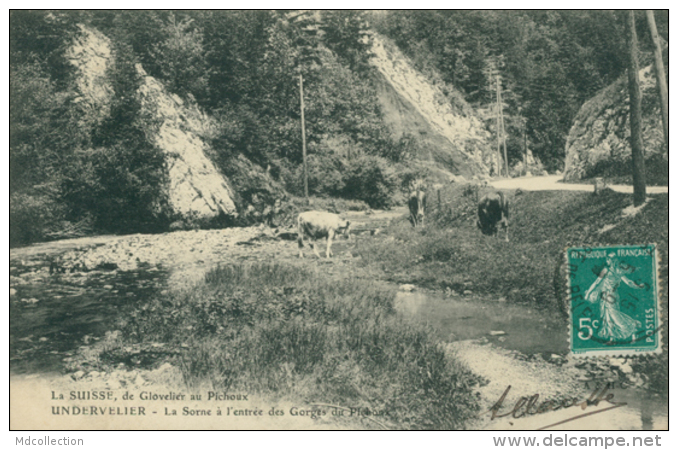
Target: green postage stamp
<point>614,306</point>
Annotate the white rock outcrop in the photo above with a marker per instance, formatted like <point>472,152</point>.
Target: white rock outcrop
<point>196,185</point>
<point>463,133</point>
<point>197,189</point>
<point>90,53</point>
<point>601,131</point>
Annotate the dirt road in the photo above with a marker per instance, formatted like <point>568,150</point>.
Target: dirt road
<point>554,183</point>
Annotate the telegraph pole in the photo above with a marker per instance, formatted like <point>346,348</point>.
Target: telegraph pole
<point>501,133</point>
<point>525,146</point>
<point>498,129</point>
<point>637,150</point>
<point>303,136</point>
<point>660,74</point>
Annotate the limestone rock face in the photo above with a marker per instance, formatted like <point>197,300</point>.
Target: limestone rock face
<point>90,53</point>
<point>197,189</point>
<point>455,137</point>
<point>196,186</point>
<point>601,131</point>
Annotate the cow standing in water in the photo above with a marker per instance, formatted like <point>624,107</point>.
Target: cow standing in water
<point>317,225</point>
<point>417,204</point>
<point>493,210</point>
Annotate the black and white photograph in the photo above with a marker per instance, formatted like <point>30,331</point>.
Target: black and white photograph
<point>339,219</point>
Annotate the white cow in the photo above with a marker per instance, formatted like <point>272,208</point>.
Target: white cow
<point>417,202</point>
<point>317,225</point>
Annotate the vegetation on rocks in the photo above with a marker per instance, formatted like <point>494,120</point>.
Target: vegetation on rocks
<point>92,166</point>
<point>598,142</point>
<point>549,63</point>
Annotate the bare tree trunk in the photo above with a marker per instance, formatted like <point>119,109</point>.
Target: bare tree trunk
<point>660,74</point>
<point>498,132</point>
<point>503,132</point>
<point>637,150</point>
<point>303,137</point>
<point>525,148</point>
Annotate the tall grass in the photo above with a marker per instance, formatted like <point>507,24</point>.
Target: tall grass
<point>284,331</point>
<point>450,252</point>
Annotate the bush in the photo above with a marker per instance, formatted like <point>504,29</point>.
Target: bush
<point>30,216</point>
<point>325,176</point>
<point>362,178</point>
<point>370,179</point>
<point>122,188</point>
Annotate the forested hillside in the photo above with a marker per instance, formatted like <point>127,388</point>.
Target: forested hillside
<point>89,153</point>
<point>548,63</point>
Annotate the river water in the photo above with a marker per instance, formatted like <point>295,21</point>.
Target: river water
<point>529,331</point>
<point>53,315</point>
<point>510,326</point>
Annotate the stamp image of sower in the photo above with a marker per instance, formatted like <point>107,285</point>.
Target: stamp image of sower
<point>614,308</point>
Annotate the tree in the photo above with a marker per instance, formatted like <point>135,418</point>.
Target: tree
<point>637,150</point>
<point>121,180</point>
<point>180,57</point>
<point>660,75</point>
<point>346,34</point>
<point>553,62</point>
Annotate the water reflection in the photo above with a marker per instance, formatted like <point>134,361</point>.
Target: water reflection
<point>529,331</point>
<point>515,327</point>
<point>51,316</point>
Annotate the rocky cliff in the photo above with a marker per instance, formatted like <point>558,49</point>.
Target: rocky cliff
<point>90,53</point>
<point>196,189</point>
<point>453,137</point>
<point>598,143</point>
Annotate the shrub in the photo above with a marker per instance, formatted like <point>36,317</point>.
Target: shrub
<point>370,179</point>
<point>30,216</point>
<point>325,176</point>
<point>123,188</point>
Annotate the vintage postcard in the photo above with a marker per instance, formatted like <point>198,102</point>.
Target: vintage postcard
<point>338,220</point>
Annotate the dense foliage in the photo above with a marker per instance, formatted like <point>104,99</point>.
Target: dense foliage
<point>243,67</point>
<point>548,62</point>
<point>76,170</point>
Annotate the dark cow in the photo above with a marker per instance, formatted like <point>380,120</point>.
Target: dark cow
<point>317,225</point>
<point>417,204</point>
<point>493,210</point>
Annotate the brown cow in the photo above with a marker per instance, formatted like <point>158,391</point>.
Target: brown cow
<point>317,225</point>
<point>493,210</point>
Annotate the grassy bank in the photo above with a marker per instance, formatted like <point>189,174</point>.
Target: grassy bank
<point>285,332</point>
<point>450,252</point>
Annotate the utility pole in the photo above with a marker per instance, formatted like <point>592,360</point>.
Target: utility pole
<point>303,136</point>
<point>637,150</point>
<point>498,130</point>
<point>503,131</point>
<point>525,147</point>
<point>660,74</point>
